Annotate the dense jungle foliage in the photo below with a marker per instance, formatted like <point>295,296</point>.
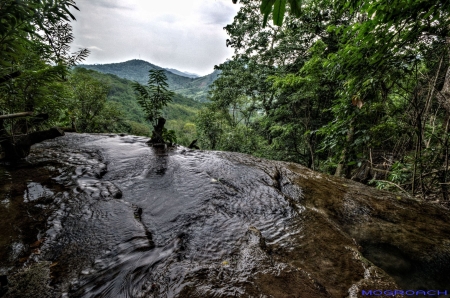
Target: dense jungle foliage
<point>358,89</point>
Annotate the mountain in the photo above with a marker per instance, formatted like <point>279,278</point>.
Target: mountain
<point>183,73</point>
<point>198,88</point>
<point>137,70</point>
<point>179,112</point>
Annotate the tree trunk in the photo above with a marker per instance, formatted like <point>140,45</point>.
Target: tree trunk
<point>193,145</point>
<point>16,115</point>
<point>342,168</point>
<point>157,133</point>
<point>19,147</point>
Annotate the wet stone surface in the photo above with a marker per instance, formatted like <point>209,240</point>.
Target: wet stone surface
<point>108,216</point>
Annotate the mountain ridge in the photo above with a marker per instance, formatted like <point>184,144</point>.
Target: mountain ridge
<point>137,70</point>
<point>183,73</point>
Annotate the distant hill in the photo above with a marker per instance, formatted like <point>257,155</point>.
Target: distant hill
<point>198,88</point>
<point>182,73</point>
<point>137,70</point>
<point>180,112</point>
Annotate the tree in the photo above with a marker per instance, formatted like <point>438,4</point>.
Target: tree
<point>87,107</point>
<point>35,38</point>
<point>152,99</point>
<point>39,25</point>
<point>275,89</point>
<point>355,88</point>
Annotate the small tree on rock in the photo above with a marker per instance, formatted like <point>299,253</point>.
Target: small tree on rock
<point>152,99</point>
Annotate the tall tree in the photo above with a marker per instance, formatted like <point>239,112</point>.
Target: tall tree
<point>34,61</point>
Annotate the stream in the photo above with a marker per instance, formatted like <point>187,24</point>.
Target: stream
<point>109,216</point>
<point>134,220</point>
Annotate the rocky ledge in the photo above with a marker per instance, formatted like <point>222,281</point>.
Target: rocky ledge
<point>123,219</point>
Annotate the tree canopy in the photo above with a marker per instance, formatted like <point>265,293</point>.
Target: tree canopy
<point>35,39</point>
<point>354,88</point>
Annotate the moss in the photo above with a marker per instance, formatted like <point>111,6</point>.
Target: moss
<point>32,281</point>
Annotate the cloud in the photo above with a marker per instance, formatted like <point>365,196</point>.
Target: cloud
<point>180,34</point>
<point>94,48</point>
<point>112,4</point>
<point>217,13</point>
<point>168,18</point>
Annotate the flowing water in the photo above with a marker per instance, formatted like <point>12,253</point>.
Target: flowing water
<point>109,216</point>
<point>137,221</point>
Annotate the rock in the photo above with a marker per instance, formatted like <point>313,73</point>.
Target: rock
<point>99,189</point>
<point>355,237</point>
<point>263,229</point>
<point>20,146</point>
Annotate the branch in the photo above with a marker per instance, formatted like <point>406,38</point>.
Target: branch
<point>398,186</point>
<point>17,115</point>
<point>10,76</point>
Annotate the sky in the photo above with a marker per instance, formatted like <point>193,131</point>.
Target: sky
<point>186,35</point>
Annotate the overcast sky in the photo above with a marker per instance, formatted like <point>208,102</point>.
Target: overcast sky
<point>184,34</point>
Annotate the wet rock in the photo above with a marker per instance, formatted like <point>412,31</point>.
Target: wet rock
<point>216,224</point>
<point>354,237</point>
<point>99,189</point>
<point>406,238</point>
<point>255,236</point>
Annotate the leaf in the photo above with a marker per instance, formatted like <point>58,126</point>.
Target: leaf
<point>278,12</point>
<point>266,9</point>
<point>356,101</point>
<point>266,16</point>
<point>296,6</point>
<point>266,6</point>
<point>359,104</point>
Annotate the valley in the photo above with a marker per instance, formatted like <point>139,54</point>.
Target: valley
<point>137,70</point>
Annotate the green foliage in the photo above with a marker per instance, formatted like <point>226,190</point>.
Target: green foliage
<point>186,131</point>
<point>138,129</point>
<point>338,86</point>
<point>87,107</point>
<point>35,39</point>
<point>279,8</point>
<point>169,135</point>
<point>154,96</point>
<point>38,88</point>
<point>23,21</point>
<point>209,128</point>
<point>121,95</point>
<point>400,173</point>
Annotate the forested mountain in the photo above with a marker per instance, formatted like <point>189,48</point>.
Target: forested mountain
<point>180,112</point>
<point>137,70</point>
<point>182,73</point>
<point>198,89</point>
